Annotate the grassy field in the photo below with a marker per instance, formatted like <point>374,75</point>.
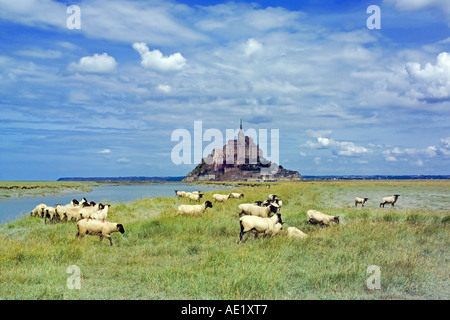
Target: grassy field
<point>165,256</point>
<point>12,189</point>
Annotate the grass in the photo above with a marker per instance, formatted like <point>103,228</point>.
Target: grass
<point>12,189</point>
<point>165,256</point>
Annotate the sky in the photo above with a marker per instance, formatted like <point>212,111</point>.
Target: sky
<point>103,98</point>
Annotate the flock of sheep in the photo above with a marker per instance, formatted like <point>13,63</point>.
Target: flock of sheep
<point>263,217</point>
<point>89,216</point>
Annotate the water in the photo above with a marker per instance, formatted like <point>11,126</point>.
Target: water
<point>12,209</point>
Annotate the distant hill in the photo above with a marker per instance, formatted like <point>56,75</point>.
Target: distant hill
<point>122,179</point>
<point>377,177</point>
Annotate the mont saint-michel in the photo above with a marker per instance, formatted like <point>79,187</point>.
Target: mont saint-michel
<point>240,159</point>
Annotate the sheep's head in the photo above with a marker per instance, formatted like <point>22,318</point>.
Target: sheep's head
<point>176,191</point>
<point>208,204</point>
<point>336,219</point>
<point>101,206</point>
<point>242,195</point>
<point>120,228</point>
<point>396,196</point>
<point>200,195</point>
<point>75,201</point>
<point>273,208</point>
<point>365,199</point>
<point>258,203</point>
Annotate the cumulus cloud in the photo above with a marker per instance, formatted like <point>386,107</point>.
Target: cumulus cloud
<point>164,88</point>
<point>95,64</point>
<point>416,155</point>
<point>156,61</point>
<point>431,81</point>
<point>414,5</point>
<point>341,148</point>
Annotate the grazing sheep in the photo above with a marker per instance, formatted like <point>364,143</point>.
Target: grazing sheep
<point>180,194</point>
<point>220,197</point>
<point>196,196</point>
<point>257,225</point>
<point>293,232</point>
<point>101,214</point>
<point>391,200</point>
<point>236,195</point>
<point>100,228</point>
<point>360,200</point>
<point>195,209</point>
<point>317,217</point>
<point>38,211</point>
<point>254,210</point>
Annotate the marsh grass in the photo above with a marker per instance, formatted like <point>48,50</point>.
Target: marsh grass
<point>163,255</point>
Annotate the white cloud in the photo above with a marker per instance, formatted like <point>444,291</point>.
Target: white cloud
<point>104,151</point>
<point>342,148</point>
<point>123,160</point>
<point>95,64</point>
<point>155,59</point>
<point>431,81</point>
<point>414,5</point>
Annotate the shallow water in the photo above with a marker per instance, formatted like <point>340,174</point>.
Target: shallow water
<point>12,209</point>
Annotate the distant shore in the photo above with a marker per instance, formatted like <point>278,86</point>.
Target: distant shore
<point>18,189</point>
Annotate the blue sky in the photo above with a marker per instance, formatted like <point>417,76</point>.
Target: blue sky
<point>104,100</point>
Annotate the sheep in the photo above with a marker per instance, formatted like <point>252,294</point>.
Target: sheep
<point>85,212</point>
<point>38,211</point>
<point>220,197</point>
<point>196,209</point>
<point>100,228</point>
<point>196,196</point>
<point>293,232</point>
<point>317,217</point>
<point>257,225</point>
<point>236,195</point>
<point>254,210</point>
<point>391,200</point>
<point>272,197</point>
<point>101,214</point>
<point>360,200</point>
<point>180,194</point>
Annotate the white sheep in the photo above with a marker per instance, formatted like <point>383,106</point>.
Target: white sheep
<point>391,200</point>
<point>100,228</point>
<point>236,195</point>
<point>38,211</point>
<point>317,217</point>
<point>361,201</point>
<point>257,225</point>
<point>196,209</point>
<point>195,196</point>
<point>293,232</point>
<point>101,214</point>
<point>254,210</point>
<point>180,194</point>
<point>220,197</point>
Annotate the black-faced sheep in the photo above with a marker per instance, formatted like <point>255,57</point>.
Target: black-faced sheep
<point>391,200</point>
<point>100,228</point>
<point>361,201</point>
<point>195,209</point>
<point>38,211</point>
<point>254,210</point>
<point>257,225</point>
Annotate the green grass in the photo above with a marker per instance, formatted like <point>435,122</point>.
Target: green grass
<point>165,256</point>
